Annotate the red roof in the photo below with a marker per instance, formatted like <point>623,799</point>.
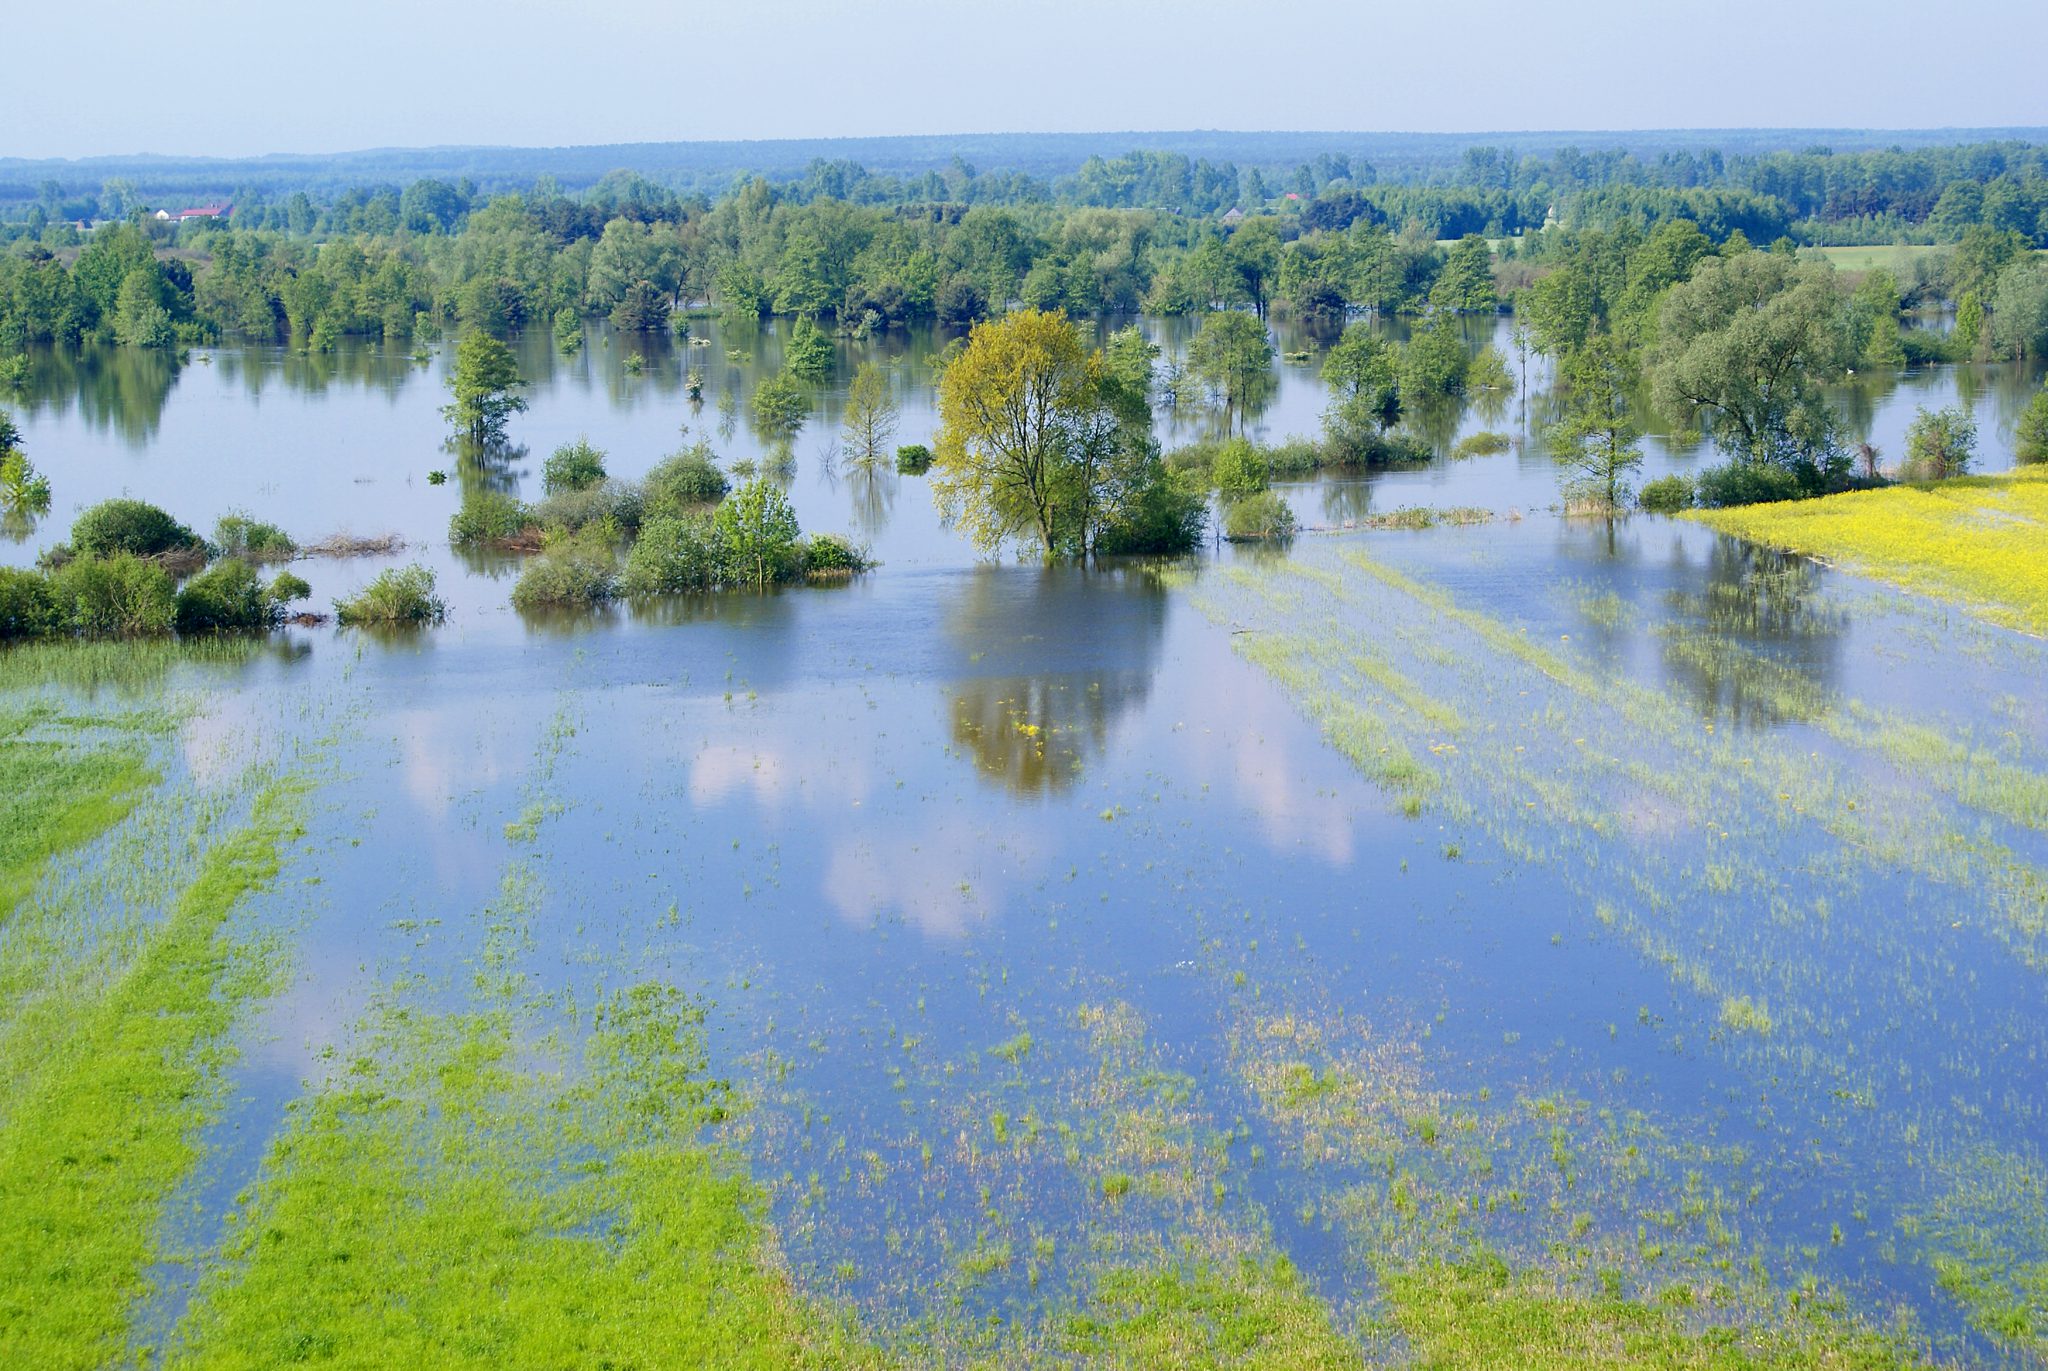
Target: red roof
<point>218,211</point>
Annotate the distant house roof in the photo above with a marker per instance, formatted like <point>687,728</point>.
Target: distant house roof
<point>218,211</point>
<point>1292,195</point>
<point>1233,215</point>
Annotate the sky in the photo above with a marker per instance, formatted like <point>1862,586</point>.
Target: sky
<point>245,77</point>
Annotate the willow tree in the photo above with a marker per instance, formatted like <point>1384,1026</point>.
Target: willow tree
<point>1008,406</point>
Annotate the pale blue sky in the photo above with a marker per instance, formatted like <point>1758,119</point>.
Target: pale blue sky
<point>236,77</point>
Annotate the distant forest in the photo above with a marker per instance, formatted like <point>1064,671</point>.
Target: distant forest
<point>1460,229</point>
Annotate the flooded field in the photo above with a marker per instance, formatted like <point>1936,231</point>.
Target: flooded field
<point>1545,941</point>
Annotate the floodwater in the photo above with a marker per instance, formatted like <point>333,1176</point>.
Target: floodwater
<point>1714,936</point>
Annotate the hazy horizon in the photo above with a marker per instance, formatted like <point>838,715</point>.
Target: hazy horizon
<point>244,80</point>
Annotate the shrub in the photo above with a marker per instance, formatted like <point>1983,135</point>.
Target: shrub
<point>112,527</point>
<point>225,597</point>
<point>2030,434</point>
<point>1940,444</point>
<point>287,588</point>
<point>1167,516</point>
<point>828,554</point>
<point>1294,456</point>
<point>488,516</point>
<point>573,466</point>
<point>780,405</point>
<point>1667,494</point>
<point>1482,445</point>
<point>28,604</point>
<point>674,553</point>
<point>1239,468</point>
<point>913,459</point>
<point>1746,483</point>
<point>688,480</point>
<point>758,533</point>
<point>579,573</point>
<point>1196,460</point>
<point>399,595</point>
<point>118,594</point>
<point>613,506</point>
<point>1264,515</point>
<point>251,540</point>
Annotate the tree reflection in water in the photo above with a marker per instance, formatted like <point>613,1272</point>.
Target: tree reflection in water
<point>1090,638</point>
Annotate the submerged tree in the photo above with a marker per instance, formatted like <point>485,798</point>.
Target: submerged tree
<point>1598,443</point>
<point>486,385</point>
<point>1363,374</point>
<point>871,415</point>
<point>1041,438</point>
<point>1745,346</point>
<point>757,534</point>
<point>1940,444</point>
<point>2030,434</point>
<point>1233,356</point>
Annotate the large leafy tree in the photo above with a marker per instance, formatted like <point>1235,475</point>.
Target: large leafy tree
<point>1744,348</point>
<point>1039,437</point>
<point>1363,374</point>
<point>486,384</point>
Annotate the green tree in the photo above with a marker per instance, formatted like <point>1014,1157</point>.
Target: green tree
<point>572,466</point>
<point>1598,443</point>
<point>1038,437</point>
<point>780,405</point>
<point>872,412</point>
<point>1363,376</point>
<point>486,384</point>
<point>140,319</point>
<point>1940,444</point>
<point>1744,347</point>
<point>758,533</point>
<point>2030,434</point>
<point>1233,356</point>
<point>1465,286</point>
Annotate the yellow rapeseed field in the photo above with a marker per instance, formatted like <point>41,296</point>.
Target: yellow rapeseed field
<point>1979,540</point>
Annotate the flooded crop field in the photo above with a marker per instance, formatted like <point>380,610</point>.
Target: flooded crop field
<point>1543,941</point>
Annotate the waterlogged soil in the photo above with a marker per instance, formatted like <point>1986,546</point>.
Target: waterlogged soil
<point>1538,943</point>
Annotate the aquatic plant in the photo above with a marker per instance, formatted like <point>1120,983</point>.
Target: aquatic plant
<point>579,572</point>
<point>226,597</point>
<point>491,518</point>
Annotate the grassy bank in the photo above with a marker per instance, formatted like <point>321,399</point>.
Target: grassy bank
<point>1981,541</point>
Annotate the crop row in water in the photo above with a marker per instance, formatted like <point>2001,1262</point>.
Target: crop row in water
<point>1749,801</point>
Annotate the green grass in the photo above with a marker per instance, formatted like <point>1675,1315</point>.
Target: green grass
<point>1890,256</point>
<point>1479,1313</point>
<point>451,1201</point>
<point>1248,1314</point>
<point>56,796</point>
<point>109,1130</point>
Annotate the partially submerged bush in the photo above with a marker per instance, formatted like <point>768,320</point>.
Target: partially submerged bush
<point>487,517</point>
<point>913,459</point>
<point>1239,468</point>
<point>1264,515</point>
<point>112,527</point>
<point>1667,494</point>
<point>252,540</point>
<point>399,595</point>
<point>28,604</point>
<point>1167,517</point>
<point>287,588</point>
<point>226,597</point>
<point>573,466</point>
<point>576,573</point>
<point>615,507</point>
<point>688,480</point>
<point>123,593</point>
<point>1746,483</point>
<point>1482,445</point>
<point>829,555</point>
<point>674,553</point>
